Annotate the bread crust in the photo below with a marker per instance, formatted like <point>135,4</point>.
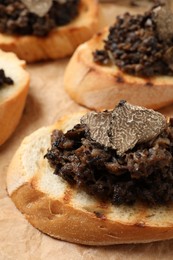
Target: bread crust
<point>12,98</point>
<point>60,42</point>
<point>63,212</point>
<point>101,87</point>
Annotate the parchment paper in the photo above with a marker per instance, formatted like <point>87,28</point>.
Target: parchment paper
<point>46,103</point>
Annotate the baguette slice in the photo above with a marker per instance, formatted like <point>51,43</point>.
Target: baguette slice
<point>63,212</point>
<point>60,42</point>
<point>97,86</point>
<point>12,97</point>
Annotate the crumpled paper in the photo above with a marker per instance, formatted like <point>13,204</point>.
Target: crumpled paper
<point>46,103</point>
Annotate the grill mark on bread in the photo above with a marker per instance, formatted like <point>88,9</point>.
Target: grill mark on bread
<point>149,84</point>
<point>100,215</point>
<point>99,34</point>
<point>54,209</point>
<point>102,210</point>
<point>87,71</point>
<point>73,29</point>
<point>92,69</point>
<point>140,224</point>
<point>119,78</point>
<point>68,194</point>
<point>29,196</point>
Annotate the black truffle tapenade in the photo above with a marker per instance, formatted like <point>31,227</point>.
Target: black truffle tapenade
<point>133,44</point>
<point>144,173</point>
<point>4,80</point>
<point>15,18</point>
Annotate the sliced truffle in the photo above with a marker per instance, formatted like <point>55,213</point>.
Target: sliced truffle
<point>163,18</point>
<point>39,7</point>
<point>99,126</point>
<point>125,126</point>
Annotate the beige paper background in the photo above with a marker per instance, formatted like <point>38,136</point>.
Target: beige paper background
<point>46,103</point>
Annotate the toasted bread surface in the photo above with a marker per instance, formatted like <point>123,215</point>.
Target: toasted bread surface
<point>12,97</point>
<point>99,86</point>
<point>66,213</point>
<point>60,42</point>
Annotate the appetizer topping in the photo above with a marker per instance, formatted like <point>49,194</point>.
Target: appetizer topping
<point>34,16</point>
<point>143,173</point>
<point>5,80</point>
<point>140,45</point>
<point>124,127</point>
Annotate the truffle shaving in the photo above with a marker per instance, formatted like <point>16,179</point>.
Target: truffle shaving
<point>163,18</point>
<point>124,127</point>
<point>40,7</point>
<point>99,125</point>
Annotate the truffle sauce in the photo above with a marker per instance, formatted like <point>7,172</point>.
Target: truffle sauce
<point>133,162</point>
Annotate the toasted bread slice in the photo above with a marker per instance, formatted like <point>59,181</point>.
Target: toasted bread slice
<point>97,86</point>
<point>12,97</point>
<point>66,213</point>
<point>60,42</point>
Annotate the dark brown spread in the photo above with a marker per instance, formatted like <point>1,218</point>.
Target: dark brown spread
<point>15,18</point>
<point>142,173</point>
<point>4,80</point>
<point>135,46</point>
